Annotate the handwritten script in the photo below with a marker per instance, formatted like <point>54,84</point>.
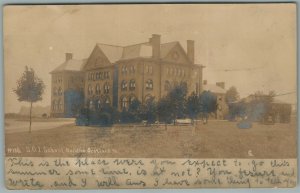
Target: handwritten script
<point>99,173</point>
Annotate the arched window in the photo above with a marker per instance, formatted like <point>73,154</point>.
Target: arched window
<point>91,105</point>
<point>167,86</point>
<point>148,98</point>
<point>98,104</point>
<point>149,84</point>
<point>90,90</point>
<point>132,85</point>
<point>131,99</point>
<point>123,102</point>
<point>124,69</point>
<point>54,91</point>
<point>124,85</point>
<point>107,100</point>
<point>98,89</point>
<point>59,92</point>
<point>132,69</point>
<point>106,88</point>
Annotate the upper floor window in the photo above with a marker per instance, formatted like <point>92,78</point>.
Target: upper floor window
<point>90,90</point>
<point>98,89</point>
<point>124,85</point>
<point>149,84</point>
<point>106,88</point>
<point>124,69</point>
<point>132,85</point>
<point>132,69</point>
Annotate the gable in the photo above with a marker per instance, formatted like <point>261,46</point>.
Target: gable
<point>176,54</point>
<point>96,60</point>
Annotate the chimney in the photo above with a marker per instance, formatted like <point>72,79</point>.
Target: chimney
<point>155,42</point>
<point>221,84</point>
<point>204,82</point>
<point>191,50</point>
<point>69,56</point>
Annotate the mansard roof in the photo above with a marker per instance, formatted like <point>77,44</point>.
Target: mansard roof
<point>115,53</point>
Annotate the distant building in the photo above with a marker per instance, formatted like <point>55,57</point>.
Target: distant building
<point>219,90</point>
<point>67,87</point>
<point>117,75</point>
<point>273,110</point>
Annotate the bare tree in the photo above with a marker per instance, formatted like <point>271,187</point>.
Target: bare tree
<point>30,89</point>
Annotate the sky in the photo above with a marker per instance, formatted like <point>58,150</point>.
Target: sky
<point>249,46</point>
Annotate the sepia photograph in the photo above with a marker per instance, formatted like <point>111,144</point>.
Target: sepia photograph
<point>166,81</point>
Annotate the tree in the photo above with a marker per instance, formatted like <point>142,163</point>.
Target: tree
<point>231,95</point>
<point>193,106</point>
<point>30,89</point>
<point>208,103</point>
<point>149,110</point>
<point>164,110</point>
<point>177,97</point>
<point>134,110</point>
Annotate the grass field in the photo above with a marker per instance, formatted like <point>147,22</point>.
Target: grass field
<point>217,139</point>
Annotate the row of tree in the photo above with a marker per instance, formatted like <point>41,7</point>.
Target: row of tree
<point>175,105</point>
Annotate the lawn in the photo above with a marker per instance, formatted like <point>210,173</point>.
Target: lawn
<point>217,139</point>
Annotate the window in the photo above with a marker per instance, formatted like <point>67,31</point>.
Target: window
<point>91,105</point>
<point>124,69</point>
<point>60,105</point>
<point>98,104</point>
<point>106,88</point>
<point>90,90</point>
<point>131,99</point>
<point>149,84</point>
<point>107,100</point>
<point>124,85</point>
<point>132,85</point>
<point>167,71</point>
<point>132,69</point>
<point>167,86</point>
<point>101,75</point>
<point>98,89</point>
<point>148,98</point>
<point>124,102</point>
<point>59,92</point>
<point>183,73</point>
